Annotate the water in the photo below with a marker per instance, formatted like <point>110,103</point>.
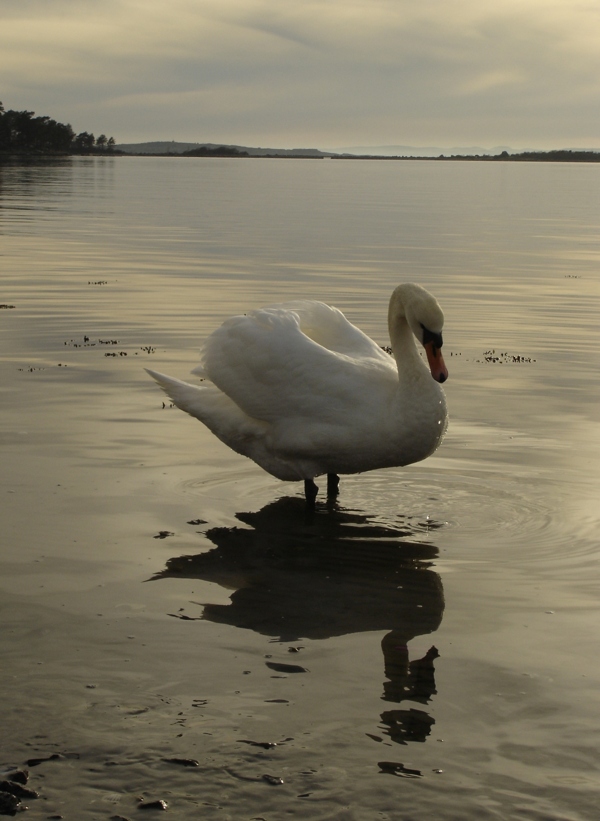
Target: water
<point>442,619</point>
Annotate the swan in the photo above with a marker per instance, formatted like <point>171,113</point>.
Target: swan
<point>303,392</point>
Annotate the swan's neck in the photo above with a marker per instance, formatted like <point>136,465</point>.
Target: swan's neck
<point>410,364</point>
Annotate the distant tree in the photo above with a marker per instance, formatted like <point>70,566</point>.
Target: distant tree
<point>52,136</point>
<point>63,137</point>
<point>83,143</point>
<point>23,131</point>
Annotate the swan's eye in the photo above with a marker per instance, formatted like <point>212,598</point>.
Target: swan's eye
<point>430,336</point>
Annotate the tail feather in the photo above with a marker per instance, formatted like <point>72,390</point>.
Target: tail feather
<point>184,395</point>
<point>216,410</point>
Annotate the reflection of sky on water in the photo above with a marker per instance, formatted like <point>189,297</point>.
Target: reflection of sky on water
<point>297,575</point>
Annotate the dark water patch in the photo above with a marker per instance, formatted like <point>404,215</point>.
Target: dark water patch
<point>35,762</point>
<point>183,617</point>
<point>285,668</point>
<point>404,726</point>
<point>265,745</point>
<point>331,574</point>
<point>396,768</point>
<point>305,577</point>
<point>273,780</point>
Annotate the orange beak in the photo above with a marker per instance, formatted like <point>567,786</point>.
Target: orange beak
<point>436,362</point>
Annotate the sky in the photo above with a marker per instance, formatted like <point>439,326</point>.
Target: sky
<point>310,73</point>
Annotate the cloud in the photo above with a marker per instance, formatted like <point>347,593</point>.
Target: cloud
<point>338,71</point>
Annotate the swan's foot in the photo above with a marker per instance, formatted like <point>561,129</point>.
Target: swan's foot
<point>333,486</point>
<point>310,492</point>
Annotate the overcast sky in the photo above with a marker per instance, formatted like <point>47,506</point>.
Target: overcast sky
<point>310,73</point>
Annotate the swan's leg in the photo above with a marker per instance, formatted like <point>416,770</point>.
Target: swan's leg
<point>310,491</point>
<point>333,485</point>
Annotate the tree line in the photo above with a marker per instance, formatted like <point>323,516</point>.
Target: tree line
<point>216,151</point>
<point>23,131</point>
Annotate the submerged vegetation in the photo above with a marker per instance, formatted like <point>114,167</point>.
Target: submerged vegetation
<point>23,132</point>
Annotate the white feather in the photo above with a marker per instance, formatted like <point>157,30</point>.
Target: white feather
<point>302,391</point>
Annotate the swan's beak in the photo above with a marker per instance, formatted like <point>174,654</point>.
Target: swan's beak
<point>438,369</point>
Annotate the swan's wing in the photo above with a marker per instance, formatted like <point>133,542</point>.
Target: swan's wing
<point>329,327</point>
<point>296,360</point>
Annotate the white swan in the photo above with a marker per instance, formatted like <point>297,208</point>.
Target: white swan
<point>303,392</point>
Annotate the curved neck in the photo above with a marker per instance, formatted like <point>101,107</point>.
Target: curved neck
<point>404,348</point>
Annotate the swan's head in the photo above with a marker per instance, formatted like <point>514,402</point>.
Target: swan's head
<point>426,319</point>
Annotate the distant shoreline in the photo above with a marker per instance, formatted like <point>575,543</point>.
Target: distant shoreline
<point>525,156</point>
<point>228,153</point>
<point>25,136</point>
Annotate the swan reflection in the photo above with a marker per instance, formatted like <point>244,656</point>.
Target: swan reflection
<point>329,574</point>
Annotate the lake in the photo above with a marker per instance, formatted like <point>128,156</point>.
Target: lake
<point>175,626</point>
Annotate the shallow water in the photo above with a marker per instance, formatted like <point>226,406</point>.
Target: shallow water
<point>437,629</point>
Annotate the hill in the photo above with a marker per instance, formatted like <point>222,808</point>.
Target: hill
<point>172,147</point>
